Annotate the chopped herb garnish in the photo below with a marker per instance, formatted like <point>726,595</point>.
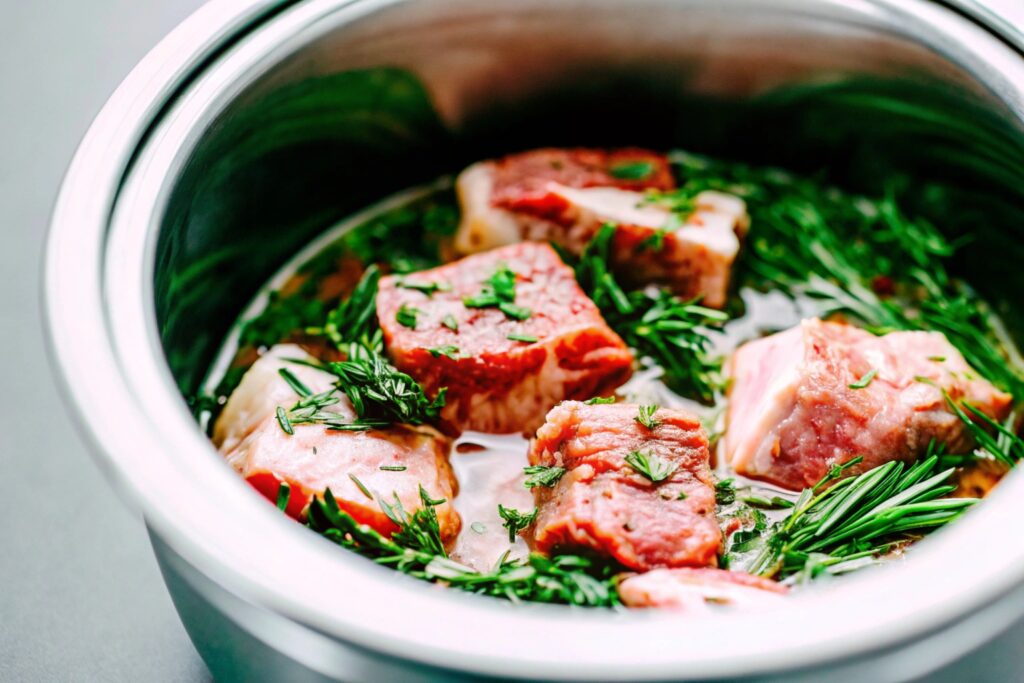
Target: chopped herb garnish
<point>864,381</point>
<point>450,322</point>
<point>284,494</point>
<point>937,359</point>
<point>361,486</point>
<point>599,400</point>
<point>670,331</point>
<point>499,291</point>
<point>681,496</point>
<point>645,417</point>
<point>541,475</point>
<point>515,521</point>
<point>447,350</point>
<point>407,315</point>
<point>428,288</point>
<point>725,492</point>
<point>513,311</point>
<point>393,468</point>
<point>380,393</point>
<point>417,550</point>
<point>528,338</point>
<point>651,466</point>
<point>355,317</point>
<point>632,170</point>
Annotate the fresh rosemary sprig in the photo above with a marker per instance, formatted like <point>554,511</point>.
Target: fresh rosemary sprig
<point>840,523</point>
<point>541,475</point>
<point>380,392</point>
<point>515,521</point>
<point>860,257</point>
<point>671,332</point>
<point>417,550</point>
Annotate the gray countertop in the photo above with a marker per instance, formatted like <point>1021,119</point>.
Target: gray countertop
<point>81,597</point>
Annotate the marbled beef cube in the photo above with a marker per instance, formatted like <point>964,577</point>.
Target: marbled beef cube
<point>565,196</point>
<point>605,505</point>
<point>699,590</point>
<point>315,458</point>
<point>823,393</point>
<point>528,338</point>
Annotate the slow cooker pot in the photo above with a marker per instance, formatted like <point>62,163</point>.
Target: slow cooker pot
<point>257,124</point>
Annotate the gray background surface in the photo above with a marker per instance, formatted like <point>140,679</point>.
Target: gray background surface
<point>80,595</point>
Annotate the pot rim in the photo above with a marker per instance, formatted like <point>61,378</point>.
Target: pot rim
<point>104,344</point>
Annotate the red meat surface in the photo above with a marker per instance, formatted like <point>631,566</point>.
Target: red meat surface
<point>314,458</point>
<point>566,195</point>
<point>603,505</point>
<point>697,590</point>
<point>495,383</point>
<point>793,413</point>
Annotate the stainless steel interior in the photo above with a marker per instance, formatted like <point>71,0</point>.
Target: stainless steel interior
<point>261,137</point>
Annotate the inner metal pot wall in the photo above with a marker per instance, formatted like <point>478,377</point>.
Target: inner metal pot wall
<point>193,235</point>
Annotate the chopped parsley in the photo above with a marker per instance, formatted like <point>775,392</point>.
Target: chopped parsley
<point>450,322</point>
<point>448,350</point>
<point>407,316</point>
<point>519,337</point>
<point>499,292</point>
<point>599,400</point>
<point>651,466</point>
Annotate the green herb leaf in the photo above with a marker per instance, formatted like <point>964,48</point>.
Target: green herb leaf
<point>658,325</point>
<point>645,417</point>
<point>447,350</point>
<point>361,486</point>
<point>864,381</point>
<point>428,288</point>
<point>651,466</point>
<point>632,170</point>
<point>515,521</point>
<point>283,421</point>
<point>450,322</point>
<point>599,400</point>
<point>514,312</point>
<point>284,494</point>
<point>393,468</point>
<point>417,550</point>
<point>406,316</point>
<point>519,337</point>
<point>725,492</point>
<point>541,475</point>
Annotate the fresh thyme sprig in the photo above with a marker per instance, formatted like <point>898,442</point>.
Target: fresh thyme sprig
<point>839,523</point>
<point>417,550</point>
<point>661,326</point>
